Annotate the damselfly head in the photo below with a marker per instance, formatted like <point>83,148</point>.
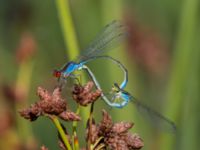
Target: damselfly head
<point>57,73</point>
<point>115,87</point>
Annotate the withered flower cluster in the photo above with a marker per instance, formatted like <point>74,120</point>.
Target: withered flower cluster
<point>104,135</point>
<point>49,104</point>
<point>115,136</point>
<point>83,95</point>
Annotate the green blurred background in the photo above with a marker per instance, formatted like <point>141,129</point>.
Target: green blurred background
<point>162,56</point>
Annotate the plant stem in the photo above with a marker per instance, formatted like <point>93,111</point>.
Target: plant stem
<point>61,132</point>
<point>69,35</point>
<point>183,60</point>
<point>95,145</point>
<point>23,82</point>
<point>90,125</point>
<point>67,28</point>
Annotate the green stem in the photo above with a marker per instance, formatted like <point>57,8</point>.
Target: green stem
<point>183,60</point>
<point>67,28</point>
<point>61,132</point>
<point>23,82</point>
<point>70,38</point>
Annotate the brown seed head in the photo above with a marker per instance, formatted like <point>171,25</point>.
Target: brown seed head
<point>50,104</point>
<point>84,95</point>
<point>26,48</point>
<point>106,124</point>
<point>116,136</point>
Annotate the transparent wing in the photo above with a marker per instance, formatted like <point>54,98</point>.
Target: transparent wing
<point>155,118</point>
<point>110,36</point>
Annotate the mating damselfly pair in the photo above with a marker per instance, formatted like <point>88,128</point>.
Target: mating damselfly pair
<point>111,35</point>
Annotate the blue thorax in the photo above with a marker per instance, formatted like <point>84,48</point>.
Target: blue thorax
<point>71,67</point>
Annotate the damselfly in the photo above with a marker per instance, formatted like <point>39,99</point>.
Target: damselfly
<point>111,35</point>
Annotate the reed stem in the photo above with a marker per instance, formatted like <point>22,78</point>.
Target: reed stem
<point>61,132</point>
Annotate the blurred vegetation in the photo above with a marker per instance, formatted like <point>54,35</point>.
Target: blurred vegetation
<point>161,54</point>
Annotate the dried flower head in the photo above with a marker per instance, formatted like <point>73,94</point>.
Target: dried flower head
<point>104,135</point>
<point>115,135</point>
<point>84,95</point>
<point>14,94</point>
<point>26,48</point>
<point>49,104</point>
